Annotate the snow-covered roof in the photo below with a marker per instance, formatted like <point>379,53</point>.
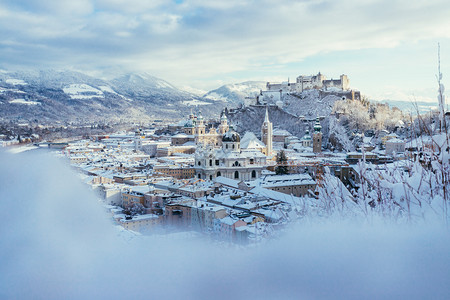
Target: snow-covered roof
<point>250,141</point>
<point>228,220</point>
<point>227,181</point>
<point>274,195</point>
<point>395,141</point>
<point>139,218</point>
<point>283,180</point>
<point>277,131</point>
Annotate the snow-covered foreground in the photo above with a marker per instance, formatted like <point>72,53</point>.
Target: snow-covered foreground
<point>57,242</point>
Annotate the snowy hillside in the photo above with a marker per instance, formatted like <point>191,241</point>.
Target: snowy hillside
<point>295,113</point>
<point>236,93</point>
<point>250,118</point>
<point>71,96</point>
<point>309,104</point>
<point>82,91</point>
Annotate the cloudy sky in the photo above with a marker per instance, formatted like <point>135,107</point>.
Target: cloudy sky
<point>387,48</point>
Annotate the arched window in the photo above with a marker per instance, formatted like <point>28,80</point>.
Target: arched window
<point>236,175</point>
<point>210,177</point>
<point>253,174</point>
<point>226,146</point>
<point>236,163</point>
<point>199,163</point>
<point>233,146</point>
<point>199,176</point>
<point>210,162</point>
<point>219,174</point>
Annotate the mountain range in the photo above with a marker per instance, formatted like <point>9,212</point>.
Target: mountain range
<point>237,93</point>
<point>70,96</point>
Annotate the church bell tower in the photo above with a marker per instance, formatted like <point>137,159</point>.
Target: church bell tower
<point>317,137</point>
<point>267,133</point>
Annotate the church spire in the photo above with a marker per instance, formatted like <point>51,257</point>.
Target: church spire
<point>266,118</point>
<point>266,133</point>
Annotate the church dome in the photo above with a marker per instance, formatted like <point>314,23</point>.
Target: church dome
<point>231,136</point>
<point>307,136</point>
<point>189,123</point>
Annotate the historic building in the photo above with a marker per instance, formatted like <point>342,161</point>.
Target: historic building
<point>306,140</point>
<point>267,133</point>
<point>194,130</point>
<point>230,161</point>
<point>317,137</point>
<point>302,83</point>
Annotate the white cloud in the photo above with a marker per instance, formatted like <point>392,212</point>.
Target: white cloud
<point>203,40</point>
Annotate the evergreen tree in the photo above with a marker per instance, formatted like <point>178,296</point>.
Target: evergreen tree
<point>282,168</point>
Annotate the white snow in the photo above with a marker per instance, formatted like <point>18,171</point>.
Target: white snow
<point>194,102</point>
<point>194,91</point>
<point>21,149</point>
<point>3,90</point>
<point>236,92</point>
<point>108,89</point>
<point>16,81</point>
<point>23,101</point>
<point>163,84</point>
<point>216,97</point>
<point>82,91</point>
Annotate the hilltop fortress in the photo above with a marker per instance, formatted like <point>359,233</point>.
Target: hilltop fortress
<point>340,87</point>
<point>318,81</point>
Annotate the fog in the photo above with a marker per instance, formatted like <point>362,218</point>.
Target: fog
<point>58,242</point>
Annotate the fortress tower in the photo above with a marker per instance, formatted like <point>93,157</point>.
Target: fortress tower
<point>267,133</point>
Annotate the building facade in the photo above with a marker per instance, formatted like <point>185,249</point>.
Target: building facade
<point>229,161</point>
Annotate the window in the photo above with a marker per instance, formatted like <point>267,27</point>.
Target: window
<point>199,163</point>
<point>217,162</point>
<point>210,177</point>
<point>219,174</point>
<point>210,162</point>
<point>253,174</point>
<point>236,175</point>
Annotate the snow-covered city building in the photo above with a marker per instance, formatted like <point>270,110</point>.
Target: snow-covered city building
<point>230,161</point>
<point>194,130</point>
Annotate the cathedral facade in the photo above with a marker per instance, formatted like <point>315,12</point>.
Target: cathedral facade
<point>194,130</point>
<point>230,160</point>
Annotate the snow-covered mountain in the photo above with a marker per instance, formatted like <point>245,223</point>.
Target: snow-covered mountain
<point>67,96</point>
<point>236,93</point>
